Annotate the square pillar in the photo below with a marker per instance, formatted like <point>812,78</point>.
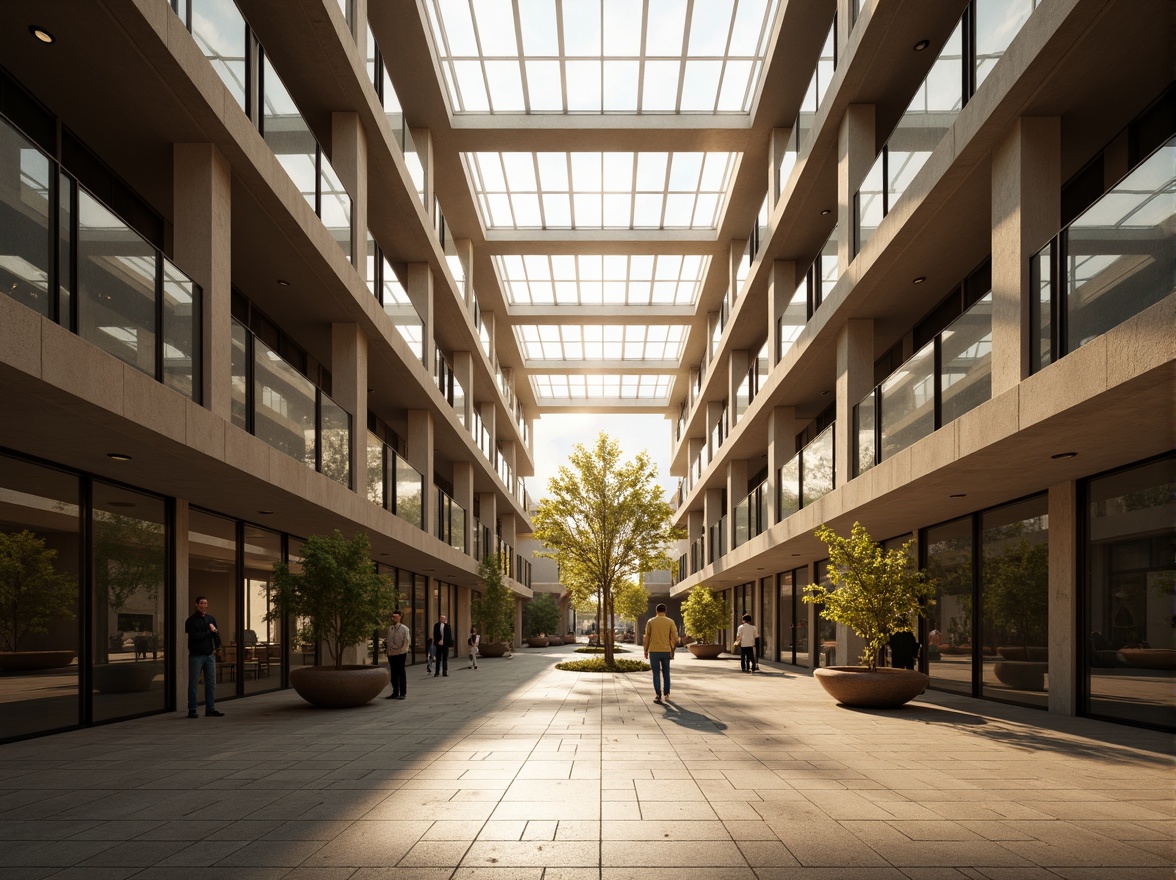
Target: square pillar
<point>855,378</point>
<point>349,157</point>
<point>777,147</point>
<point>420,294</point>
<point>418,452</point>
<point>202,240</point>
<point>781,287</point>
<point>1064,668</point>
<point>856,152</point>
<point>1026,213</point>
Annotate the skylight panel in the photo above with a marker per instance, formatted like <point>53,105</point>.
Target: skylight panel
<point>593,56</point>
<point>654,388</point>
<point>735,93</point>
<point>627,280</point>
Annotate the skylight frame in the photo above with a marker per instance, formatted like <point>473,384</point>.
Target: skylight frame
<point>580,389</point>
<point>500,57</point>
<point>585,280</point>
<point>634,344</point>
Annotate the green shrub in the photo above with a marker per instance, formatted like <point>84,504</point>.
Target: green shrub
<point>595,650</point>
<point>597,664</point>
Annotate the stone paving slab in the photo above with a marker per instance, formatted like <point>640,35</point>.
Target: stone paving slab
<point>523,772</point>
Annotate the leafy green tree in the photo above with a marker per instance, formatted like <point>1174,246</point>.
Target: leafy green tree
<point>631,600</point>
<point>129,560</point>
<point>605,522</point>
<point>493,611</point>
<point>1016,592</point>
<point>704,613</point>
<point>541,615</point>
<point>339,598</point>
<point>32,592</point>
<point>877,592</point>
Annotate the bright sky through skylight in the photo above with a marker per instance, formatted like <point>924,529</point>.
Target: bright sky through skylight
<point>595,342</point>
<point>609,279</point>
<point>621,190</point>
<point>601,56</point>
<point>556,388</point>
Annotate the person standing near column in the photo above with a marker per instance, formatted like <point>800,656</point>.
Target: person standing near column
<point>203,642</point>
<point>745,638</point>
<point>443,639</point>
<point>661,640</point>
<point>396,644</point>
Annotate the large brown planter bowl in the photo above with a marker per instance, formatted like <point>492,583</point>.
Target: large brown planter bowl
<point>125,677</point>
<point>553,641</point>
<point>26,661</point>
<point>1024,675</point>
<point>884,688</point>
<point>332,688</point>
<point>705,652</point>
<point>1150,658</point>
<point>493,649</point>
<point>537,642</point>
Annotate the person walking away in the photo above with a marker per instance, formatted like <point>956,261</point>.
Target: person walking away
<point>660,642</point>
<point>904,650</point>
<point>443,639</point>
<point>396,644</point>
<point>745,638</point>
<point>472,646</point>
<point>203,642</point>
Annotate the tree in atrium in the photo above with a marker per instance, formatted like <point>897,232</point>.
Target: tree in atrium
<point>605,522</point>
<point>541,616</point>
<point>493,610</point>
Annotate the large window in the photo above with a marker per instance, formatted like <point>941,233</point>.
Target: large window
<point>39,537</point>
<point>950,621</point>
<point>1130,607</point>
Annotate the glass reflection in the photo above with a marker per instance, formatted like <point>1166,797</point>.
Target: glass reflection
<point>181,332</point>
<point>39,589</point>
<point>1131,594</point>
<point>336,441</point>
<point>24,221</point>
<point>219,31</point>
<point>1014,602</point>
<point>816,468</point>
<point>908,402</point>
<point>129,582</point>
<point>409,486</point>
<point>212,573</point>
<point>949,623</point>
<point>260,656</point>
<point>283,398</point>
<point>965,378</point>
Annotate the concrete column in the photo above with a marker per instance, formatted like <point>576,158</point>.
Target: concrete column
<point>463,372</point>
<point>694,371</point>
<point>358,22</point>
<point>349,156</point>
<point>856,152</point>
<point>777,147</point>
<point>1026,213</point>
<point>418,452</point>
<point>855,378</point>
<point>734,256</point>
<point>488,516</point>
<point>349,385</point>
<point>463,494</point>
<point>844,26</point>
<point>518,624</point>
<point>424,146</point>
<point>488,322</point>
<point>420,293</point>
<point>1064,669</point>
<point>781,286</point>
<point>202,239</point>
<point>782,429</point>
<point>465,253</point>
<point>712,510</point>
<point>714,416</point>
<point>489,413</point>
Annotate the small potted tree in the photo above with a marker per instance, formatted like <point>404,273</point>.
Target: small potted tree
<point>33,594</point>
<point>703,615</point>
<point>876,594</point>
<point>493,610</point>
<point>339,599</point>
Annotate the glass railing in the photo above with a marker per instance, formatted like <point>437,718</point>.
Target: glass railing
<point>788,479</point>
<point>792,320</point>
<point>394,298</point>
<point>902,409</point>
<point>297,151</point>
<point>409,487</point>
<point>741,519</point>
<point>219,31</point>
<point>818,86</point>
<point>395,116</point>
<point>923,124</point>
<point>375,488</point>
<point>449,519</point>
<point>997,23</point>
<point>697,555</point>
<point>816,468</point>
<point>1112,262</point>
<point>132,302</point>
<point>751,516</point>
<point>717,544</point>
<point>277,404</point>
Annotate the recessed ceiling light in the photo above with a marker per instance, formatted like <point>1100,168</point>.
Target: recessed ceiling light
<point>1061,455</point>
<point>919,280</point>
<point>41,34</point>
<point>825,212</point>
<point>283,283</point>
<point>118,456</point>
<point>265,512</point>
<point>921,45</point>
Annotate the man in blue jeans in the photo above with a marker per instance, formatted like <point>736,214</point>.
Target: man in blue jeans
<point>661,640</point>
<point>203,640</point>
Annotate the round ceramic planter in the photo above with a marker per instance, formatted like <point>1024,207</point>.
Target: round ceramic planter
<point>884,688</point>
<point>344,688</point>
<point>493,649</point>
<point>27,661</point>
<point>1024,675</point>
<point>553,641</point>
<point>705,652</point>
<point>125,678</point>
<point>537,642</point>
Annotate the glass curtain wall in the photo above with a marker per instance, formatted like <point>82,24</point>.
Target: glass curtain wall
<point>212,573</point>
<point>785,584</point>
<point>1014,602</point>
<point>801,614</point>
<point>948,562</point>
<point>299,651</point>
<point>260,655</point>
<point>767,620</point>
<point>130,590</point>
<point>1129,556</point>
<point>826,629</point>
<point>40,533</point>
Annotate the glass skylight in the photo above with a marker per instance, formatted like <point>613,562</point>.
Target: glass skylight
<point>620,190</point>
<point>568,389</point>
<point>601,279</point>
<point>595,342</point>
<point>601,56</point>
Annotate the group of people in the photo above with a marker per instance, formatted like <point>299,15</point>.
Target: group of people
<point>442,642</point>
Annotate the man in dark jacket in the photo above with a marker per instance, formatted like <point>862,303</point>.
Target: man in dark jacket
<point>203,640</point>
<point>443,640</point>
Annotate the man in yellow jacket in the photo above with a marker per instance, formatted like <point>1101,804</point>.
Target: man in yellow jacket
<point>661,640</point>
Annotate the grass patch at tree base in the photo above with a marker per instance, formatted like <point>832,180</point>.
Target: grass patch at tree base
<point>597,664</point>
<point>595,650</point>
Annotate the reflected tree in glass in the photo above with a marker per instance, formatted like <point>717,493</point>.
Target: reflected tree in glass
<point>33,593</point>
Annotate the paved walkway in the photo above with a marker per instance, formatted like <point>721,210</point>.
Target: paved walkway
<point>520,772</point>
